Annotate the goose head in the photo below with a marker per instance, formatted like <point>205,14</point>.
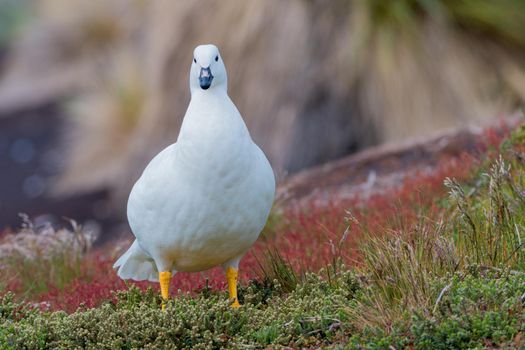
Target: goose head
<point>207,69</point>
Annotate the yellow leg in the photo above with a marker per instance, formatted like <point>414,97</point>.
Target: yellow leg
<point>164,279</point>
<point>232,274</point>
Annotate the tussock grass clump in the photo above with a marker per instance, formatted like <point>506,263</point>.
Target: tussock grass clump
<point>401,273</point>
<point>488,223</point>
<point>34,259</point>
<point>276,268</point>
<point>481,310</point>
<point>480,229</point>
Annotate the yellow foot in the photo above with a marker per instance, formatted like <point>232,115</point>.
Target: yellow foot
<point>164,279</point>
<point>231,275</point>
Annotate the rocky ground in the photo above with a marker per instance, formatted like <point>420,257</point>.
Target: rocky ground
<point>385,167</point>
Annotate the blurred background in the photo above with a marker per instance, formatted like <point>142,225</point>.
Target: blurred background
<point>91,90</point>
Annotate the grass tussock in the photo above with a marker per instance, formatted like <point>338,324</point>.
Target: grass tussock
<point>480,228</point>
<point>275,269</point>
<point>34,259</point>
<point>400,272</point>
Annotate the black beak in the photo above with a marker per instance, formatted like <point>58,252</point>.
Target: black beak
<point>205,78</point>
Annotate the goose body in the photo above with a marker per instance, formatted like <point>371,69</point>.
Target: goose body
<point>202,201</point>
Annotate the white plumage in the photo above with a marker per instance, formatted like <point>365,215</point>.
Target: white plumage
<point>203,200</point>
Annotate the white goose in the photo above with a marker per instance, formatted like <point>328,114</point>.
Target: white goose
<point>203,200</point>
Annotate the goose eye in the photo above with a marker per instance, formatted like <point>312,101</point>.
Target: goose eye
<point>216,58</point>
<point>195,60</point>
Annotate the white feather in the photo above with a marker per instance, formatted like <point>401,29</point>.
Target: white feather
<point>202,201</point>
